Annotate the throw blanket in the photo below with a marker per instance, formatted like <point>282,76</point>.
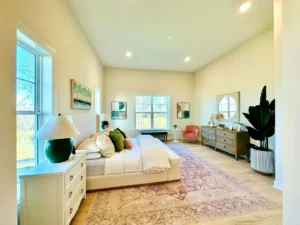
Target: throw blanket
<point>154,154</point>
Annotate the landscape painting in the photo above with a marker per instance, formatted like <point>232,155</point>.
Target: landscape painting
<point>118,110</point>
<point>81,96</point>
<point>183,110</point>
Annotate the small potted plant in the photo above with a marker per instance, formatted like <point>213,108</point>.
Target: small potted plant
<point>175,126</point>
<point>262,119</point>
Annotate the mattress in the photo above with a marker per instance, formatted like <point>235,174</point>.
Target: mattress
<point>95,167</point>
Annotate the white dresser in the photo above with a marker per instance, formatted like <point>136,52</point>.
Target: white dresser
<point>51,193</point>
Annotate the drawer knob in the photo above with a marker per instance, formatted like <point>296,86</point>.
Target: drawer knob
<point>81,164</point>
<point>70,194</point>
<point>81,177</point>
<point>225,134</point>
<point>224,140</point>
<point>71,210</point>
<point>82,191</point>
<point>71,177</point>
<point>224,146</point>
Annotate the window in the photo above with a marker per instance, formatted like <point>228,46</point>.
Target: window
<point>227,107</point>
<point>152,112</point>
<point>33,100</point>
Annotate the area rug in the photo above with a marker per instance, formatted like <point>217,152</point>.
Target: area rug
<point>204,192</point>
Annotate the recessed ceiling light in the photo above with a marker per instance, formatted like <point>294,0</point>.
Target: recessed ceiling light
<point>187,59</point>
<point>128,54</point>
<point>170,37</point>
<point>245,6</point>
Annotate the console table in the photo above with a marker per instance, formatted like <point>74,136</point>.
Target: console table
<point>156,133</point>
<point>231,141</point>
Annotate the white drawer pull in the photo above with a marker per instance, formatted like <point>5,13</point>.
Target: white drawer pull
<point>82,191</point>
<point>71,210</point>
<point>71,177</point>
<point>81,178</point>
<point>81,164</point>
<point>70,194</point>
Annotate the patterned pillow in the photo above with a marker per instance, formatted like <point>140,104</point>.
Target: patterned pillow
<point>89,145</point>
<point>107,148</point>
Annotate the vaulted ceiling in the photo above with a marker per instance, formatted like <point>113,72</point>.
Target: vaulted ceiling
<point>160,34</point>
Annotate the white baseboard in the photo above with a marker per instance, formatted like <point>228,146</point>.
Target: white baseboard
<point>278,185</point>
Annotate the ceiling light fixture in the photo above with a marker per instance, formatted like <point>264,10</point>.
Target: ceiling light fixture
<point>187,59</point>
<point>128,54</point>
<point>245,6</point>
<point>170,37</point>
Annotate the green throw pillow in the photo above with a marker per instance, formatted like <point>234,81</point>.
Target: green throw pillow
<point>122,132</point>
<point>117,139</point>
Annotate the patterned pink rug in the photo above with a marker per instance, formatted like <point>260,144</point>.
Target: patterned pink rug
<point>204,192</point>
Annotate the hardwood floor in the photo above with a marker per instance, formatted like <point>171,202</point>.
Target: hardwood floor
<point>239,169</point>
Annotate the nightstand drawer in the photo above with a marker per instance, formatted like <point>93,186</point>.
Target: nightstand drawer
<point>226,134</point>
<point>73,205</point>
<point>225,140</point>
<point>225,147</point>
<point>208,130</point>
<point>80,178</point>
<point>70,176</point>
<point>209,135</point>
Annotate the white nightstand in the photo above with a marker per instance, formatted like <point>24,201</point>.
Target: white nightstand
<point>52,192</point>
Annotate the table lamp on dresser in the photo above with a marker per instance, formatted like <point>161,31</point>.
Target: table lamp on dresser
<point>58,132</point>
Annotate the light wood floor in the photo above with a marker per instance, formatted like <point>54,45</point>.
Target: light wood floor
<point>239,169</point>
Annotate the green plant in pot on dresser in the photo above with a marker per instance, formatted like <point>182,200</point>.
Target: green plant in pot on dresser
<point>262,119</point>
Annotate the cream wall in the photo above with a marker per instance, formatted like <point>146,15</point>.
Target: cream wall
<point>125,84</point>
<point>246,69</point>
<point>54,23</point>
<point>290,123</point>
<point>8,24</point>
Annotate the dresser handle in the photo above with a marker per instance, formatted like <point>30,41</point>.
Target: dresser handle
<point>81,164</point>
<point>81,177</point>
<point>71,210</point>
<point>71,177</point>
<point>224,146</point>
<point>81,191</point>
<point>225,134</point>
<point>224,140</point>
<point>70,194</point>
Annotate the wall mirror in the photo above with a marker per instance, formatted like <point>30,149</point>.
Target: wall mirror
<point>229,106</point>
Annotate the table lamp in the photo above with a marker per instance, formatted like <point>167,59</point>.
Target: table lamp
<point>58,132</point>
<point>105,119</point>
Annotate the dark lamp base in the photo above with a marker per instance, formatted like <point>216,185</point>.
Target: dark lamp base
<point>58,150</point>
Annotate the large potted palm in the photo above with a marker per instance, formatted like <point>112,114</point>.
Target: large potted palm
<point>262,119</point>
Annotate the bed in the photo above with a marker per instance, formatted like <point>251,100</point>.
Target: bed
<point>96,176</point>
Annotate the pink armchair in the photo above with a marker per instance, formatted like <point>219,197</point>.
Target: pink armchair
<point>191,132</point>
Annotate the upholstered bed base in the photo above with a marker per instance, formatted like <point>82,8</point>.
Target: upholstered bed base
<point>130,179</point>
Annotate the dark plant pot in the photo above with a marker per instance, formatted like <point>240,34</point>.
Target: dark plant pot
<point>58,150</point>
<point>262,161</point>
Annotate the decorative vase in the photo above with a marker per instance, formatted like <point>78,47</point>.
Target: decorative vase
<point>262,161</point>
<point>58,150</point>
<point>175,126</point>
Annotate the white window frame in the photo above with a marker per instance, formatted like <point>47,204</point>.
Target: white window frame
<point>152,113</point>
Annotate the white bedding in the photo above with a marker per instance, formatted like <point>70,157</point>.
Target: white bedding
<point>126,161</point>
<point>154,154</point>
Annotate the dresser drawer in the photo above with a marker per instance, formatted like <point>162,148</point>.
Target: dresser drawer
<point>225,147</point>
<point>73,205</point>
<point>209,135</point>
<point>80,178</point>
<point>226,140</point>
<point>209,141</point>
<point>70,176</point>
<point>208,130</point>
<point>226,134</point>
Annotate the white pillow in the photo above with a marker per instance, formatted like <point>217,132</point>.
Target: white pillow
<point>107,148</point>
<point>93,155</point>
<point>89,145</point>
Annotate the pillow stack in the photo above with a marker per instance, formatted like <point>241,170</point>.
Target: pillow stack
<point>93,152</point>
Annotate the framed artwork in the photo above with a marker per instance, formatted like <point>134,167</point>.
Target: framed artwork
<point>118,110</point>
<point>81,96</point>
<point>183,110</point>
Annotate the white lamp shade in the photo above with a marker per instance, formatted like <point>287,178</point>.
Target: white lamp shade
<point>104,117</point>
<point>58,127</point>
